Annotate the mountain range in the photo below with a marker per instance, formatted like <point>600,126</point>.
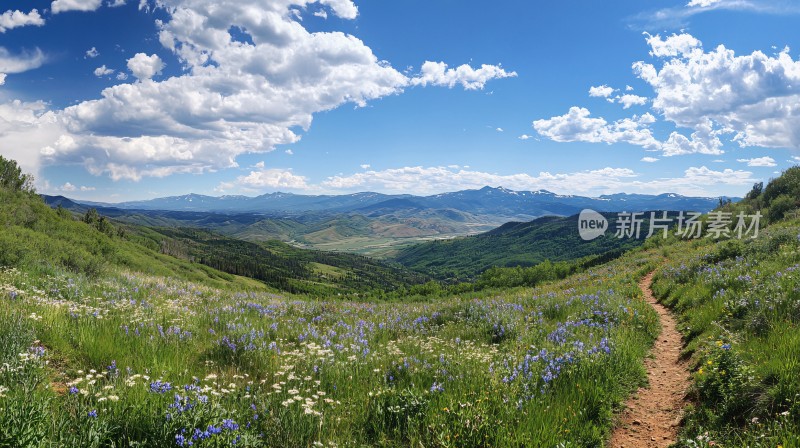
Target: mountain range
<point>498,202</point>
<point>374,224</point>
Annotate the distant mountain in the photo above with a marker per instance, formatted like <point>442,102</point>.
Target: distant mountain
<point>488,201</point>
<point>272,202</point>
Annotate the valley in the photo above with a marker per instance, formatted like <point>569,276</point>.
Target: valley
<point>134,330</point>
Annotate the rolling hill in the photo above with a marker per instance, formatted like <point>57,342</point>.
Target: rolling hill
<point>513,244</point>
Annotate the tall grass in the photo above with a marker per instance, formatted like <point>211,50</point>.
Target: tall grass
<point>739,310</point>
<point>128,359</point>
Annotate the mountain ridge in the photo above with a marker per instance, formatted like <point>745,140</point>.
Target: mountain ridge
<point>497,201</point>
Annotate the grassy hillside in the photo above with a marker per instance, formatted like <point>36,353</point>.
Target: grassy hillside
<point>739,307</point>
<point>35,237</point>
<point>278,264</point>
<point>135,360</point>
<point>513,244</point>
<point>95,354</point>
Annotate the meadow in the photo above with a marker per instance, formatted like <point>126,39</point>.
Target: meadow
<point>136,360</point>
<point>739,308</point>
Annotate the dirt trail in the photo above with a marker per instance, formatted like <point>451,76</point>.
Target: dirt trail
<point>652,415</point>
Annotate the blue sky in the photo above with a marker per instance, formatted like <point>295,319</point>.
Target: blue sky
<point>115,100</point>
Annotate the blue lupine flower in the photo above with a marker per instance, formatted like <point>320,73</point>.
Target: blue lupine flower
<point>160,387</point>
<point>73,390</point>
<point>229,425</point>
<point>92,413</point>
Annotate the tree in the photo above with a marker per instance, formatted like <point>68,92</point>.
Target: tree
<point>12,177</point>
<point>758,187</point>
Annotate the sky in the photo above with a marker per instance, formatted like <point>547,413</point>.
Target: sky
<point>114,100</point>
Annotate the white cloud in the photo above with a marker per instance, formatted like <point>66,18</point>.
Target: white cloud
<point>603,91</point>
<point>750,99</point>
<point>289,152</point>
<point>321,13</point>
<point>649,159</point>
<point>24,128</point>
<point>272,179</point>
<point>705,140</point>
<point>752,96</point>
<point>759,162</point>
<point>525,137</point>
<point>10,63</point>
<point>499,129</point>
<point>122,76</point>
<point>677,17</point>
<point>103,71</point>
<point>145,67</point>
<point>629,100</point>
<point>577,126</point>
<point>259,164</point>
<point>675,45</point>
<point>232,97</point>
<point>702,3</point>
<point>345,9</point>
<point>15,19</point>
<point>116,3</point>
<point>92,53</point>
<point>437,74</point>
<point>59,6</point>
<point>365,166</point>
<point>697,181</point>
<point>2,78</point>
<point>69,188</point>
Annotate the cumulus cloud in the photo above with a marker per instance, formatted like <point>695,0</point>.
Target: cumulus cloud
<point>525,137</point>
<point>629,100</point>
<point>437,74</point>
<point>649,159</point>
<point>103,71</point>
<point>116,3</point>
<point>759,162</point>
<point>145,67</point>
<point>750,99</point>
<point>674,45</point>
<point>92,53</point>
<point>577,125</point>
<point>24,128</point>
<point>59,6</point>
<point>15,19</point>
<point>234,96</point>
<point>753,96</point>
<point>603,91</point>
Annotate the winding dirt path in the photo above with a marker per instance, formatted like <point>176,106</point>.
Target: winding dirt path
<point>652,416</point>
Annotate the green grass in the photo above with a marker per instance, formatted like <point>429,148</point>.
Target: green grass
<point>739,310</point>
<point>461,371</point>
